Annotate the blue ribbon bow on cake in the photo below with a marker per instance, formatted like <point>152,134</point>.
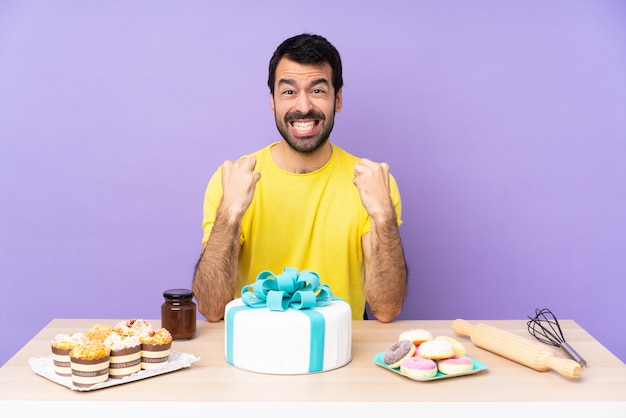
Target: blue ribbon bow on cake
<point>289,289</point>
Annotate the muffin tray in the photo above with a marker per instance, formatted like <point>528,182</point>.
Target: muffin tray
<point>44,367</point>
<point>478,366</point>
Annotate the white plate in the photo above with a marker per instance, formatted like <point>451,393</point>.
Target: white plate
<point>44,366</point>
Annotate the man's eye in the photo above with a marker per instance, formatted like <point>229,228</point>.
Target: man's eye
<point>318,91</point>
<point>288,92</point>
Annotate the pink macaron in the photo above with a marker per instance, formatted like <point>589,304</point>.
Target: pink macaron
<point>455,364</point>
<point>418,367</point>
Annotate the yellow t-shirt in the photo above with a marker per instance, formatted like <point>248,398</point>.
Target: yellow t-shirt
<point>312,221</point>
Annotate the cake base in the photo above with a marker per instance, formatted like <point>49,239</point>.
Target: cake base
<point>294,341</point>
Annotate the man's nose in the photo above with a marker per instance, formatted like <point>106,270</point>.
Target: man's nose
<point>303,104</point>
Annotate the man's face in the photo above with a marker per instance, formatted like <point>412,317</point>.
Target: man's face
<point>304,104</point>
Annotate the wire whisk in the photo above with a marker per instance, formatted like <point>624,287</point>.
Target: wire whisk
<point>545,327</point>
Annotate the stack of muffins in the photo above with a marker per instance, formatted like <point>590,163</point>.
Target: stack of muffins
<point>106,351</point>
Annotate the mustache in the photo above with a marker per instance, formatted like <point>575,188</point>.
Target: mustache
<point>313,114</point>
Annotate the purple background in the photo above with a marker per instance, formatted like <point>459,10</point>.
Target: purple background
<point>504,123</point>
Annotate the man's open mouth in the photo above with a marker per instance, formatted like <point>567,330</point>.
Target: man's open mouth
<point>304,126</point>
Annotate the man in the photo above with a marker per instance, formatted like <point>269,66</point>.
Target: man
<point>303,202</point>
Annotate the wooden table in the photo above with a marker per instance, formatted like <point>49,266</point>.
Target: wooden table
<point>213,387</point>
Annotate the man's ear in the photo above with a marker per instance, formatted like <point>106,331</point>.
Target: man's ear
<point>338,100</point>
<point>272,103</point>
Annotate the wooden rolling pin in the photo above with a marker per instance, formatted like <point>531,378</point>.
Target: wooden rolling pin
<point>513,347</point>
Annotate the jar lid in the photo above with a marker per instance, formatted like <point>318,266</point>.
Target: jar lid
<point>178,294</point>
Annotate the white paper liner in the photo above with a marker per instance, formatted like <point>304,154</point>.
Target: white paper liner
<point>44,367</point>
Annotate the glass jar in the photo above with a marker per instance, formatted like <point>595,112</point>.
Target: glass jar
<point>178,313</point>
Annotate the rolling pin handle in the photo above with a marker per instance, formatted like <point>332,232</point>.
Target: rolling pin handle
<point>462,327</point>
<point>566,367</point>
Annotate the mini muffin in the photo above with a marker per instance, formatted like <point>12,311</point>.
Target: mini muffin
<point>90,363</point>
<point>61,346</point>
<point>155,348</point>
<point>125,357</point>
<point>133,327</point>
<point>99,332</point>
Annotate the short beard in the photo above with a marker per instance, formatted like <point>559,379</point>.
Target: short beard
<point>306,147</point>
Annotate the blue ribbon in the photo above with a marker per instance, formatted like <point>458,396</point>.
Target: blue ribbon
<point>289,289</point>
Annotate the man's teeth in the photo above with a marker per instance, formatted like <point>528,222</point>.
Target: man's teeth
<point>303,126</point>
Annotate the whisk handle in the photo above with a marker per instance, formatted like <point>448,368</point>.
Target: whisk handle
<point>573,354</point>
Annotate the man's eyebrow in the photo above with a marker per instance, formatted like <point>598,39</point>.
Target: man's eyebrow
<point>287,81</point>
<point>321,80</point>
<point>291,82</point>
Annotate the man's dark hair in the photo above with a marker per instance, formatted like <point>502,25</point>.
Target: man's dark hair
<point>307,49</point>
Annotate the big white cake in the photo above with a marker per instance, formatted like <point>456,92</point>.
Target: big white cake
<point>293,341</point>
